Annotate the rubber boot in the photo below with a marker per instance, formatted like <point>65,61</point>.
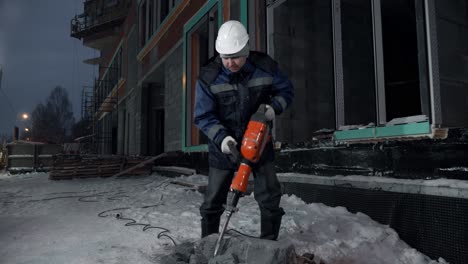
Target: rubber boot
<point>209,227</point>
<point>270,224</point>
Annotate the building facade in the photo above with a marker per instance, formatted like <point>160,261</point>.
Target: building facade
<point>364,71</point>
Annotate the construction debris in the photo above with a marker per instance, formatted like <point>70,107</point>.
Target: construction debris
<point>91,166</point>
<point>140,165</point>
<point>174,170</point>
<point>2,158</point>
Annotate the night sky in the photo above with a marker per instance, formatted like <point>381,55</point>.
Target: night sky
<point>37,54</point>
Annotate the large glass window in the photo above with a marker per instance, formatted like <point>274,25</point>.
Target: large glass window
<point>451,21</point>
<point>151,23</point>
<point>152,14</point>
<point>300,38</point>
<point>142,24</point>
<point>199,47</point>
<point>358,62</point>
<point>404,56</point>
<point>164,9</point>
<point>381,52</point>
<point>362,62</point>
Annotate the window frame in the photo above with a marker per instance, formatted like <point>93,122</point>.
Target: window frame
<point>186,116</point>
<point>380,130</point>
<point>152,17</point>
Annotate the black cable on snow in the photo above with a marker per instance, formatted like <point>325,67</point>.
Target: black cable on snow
<point>161,235</point>
<point>10,196</point>
<point>117,196</point>
<point>81,199</point>
<point>240,233</point>
<point>101,214</point>
<point>133,222</point>
<point>149,206</point>
<point>54,198</point>
<point>70,192</point>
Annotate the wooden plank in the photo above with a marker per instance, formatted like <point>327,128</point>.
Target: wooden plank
<point>100,166</point>
<point>141,164</point>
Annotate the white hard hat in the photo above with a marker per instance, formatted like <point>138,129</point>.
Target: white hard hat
<point>232,37</point>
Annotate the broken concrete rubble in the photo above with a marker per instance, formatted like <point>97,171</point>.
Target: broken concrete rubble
<point>235,249</point>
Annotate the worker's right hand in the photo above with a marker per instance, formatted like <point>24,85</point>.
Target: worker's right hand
<point>225,144</point>
<point>269,112</point>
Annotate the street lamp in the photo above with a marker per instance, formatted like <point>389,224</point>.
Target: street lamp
<point>26,134</point>
<point>23,117</point>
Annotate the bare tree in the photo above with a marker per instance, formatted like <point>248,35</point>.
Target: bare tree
<point>52,121</point>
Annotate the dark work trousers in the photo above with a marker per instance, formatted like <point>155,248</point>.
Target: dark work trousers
<point>267,193</point>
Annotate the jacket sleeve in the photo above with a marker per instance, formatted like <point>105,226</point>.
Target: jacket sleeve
<point>206,116</point>
<point>283,92</point>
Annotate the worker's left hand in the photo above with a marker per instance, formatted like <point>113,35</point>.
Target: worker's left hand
<point>225,144</point>
<point>269,113</point>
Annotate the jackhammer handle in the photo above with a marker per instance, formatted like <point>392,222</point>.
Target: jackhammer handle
<point>260,115</point>
<point>235,154</point>
<point>262,108</point>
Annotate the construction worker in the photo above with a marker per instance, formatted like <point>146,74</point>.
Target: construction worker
<point>230,88</point>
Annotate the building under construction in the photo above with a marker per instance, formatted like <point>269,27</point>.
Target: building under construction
<point>381,89</point>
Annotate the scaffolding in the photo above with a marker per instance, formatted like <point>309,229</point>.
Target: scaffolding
<point>99,15</point>
<point>86,139</point>
<point>105,128</point>
<point>99,109</point>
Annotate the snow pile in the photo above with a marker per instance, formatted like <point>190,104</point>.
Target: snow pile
<point>339,236</point>
<point>138,219</point>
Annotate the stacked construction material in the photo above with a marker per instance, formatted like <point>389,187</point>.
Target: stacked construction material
<point>92,166</point>
<point>2,157</point>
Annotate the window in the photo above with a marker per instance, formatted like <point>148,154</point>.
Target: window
<point>358,62</point>
<point>152,14</point>
<point>151,24</point>
<point>451,20</point>
<point>384,60</point>
<point>142,21</point>
<point>200,35</point>
<point>404,58</point>
<point>164,9</point>
<point>300,38</point>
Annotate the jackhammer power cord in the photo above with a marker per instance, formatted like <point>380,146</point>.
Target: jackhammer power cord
<point>132,222</point>
<point>240,233</point>
<point>116,197</point>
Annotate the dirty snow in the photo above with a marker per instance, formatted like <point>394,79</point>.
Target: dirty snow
<point>137,219</point>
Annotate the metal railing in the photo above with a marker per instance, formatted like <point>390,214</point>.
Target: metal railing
<point>85,23</point>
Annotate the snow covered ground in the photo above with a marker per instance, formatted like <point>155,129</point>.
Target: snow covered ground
<point>138,219</point>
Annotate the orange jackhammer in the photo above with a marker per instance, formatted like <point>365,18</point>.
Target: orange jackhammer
<point>255,138</point>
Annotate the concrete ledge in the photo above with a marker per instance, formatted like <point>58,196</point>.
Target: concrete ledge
<point>439,187</point>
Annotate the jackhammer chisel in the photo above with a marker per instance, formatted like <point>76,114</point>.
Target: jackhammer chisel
<point>254,140</point>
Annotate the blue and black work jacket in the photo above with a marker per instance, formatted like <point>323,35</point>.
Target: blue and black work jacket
<point>225,101</point>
